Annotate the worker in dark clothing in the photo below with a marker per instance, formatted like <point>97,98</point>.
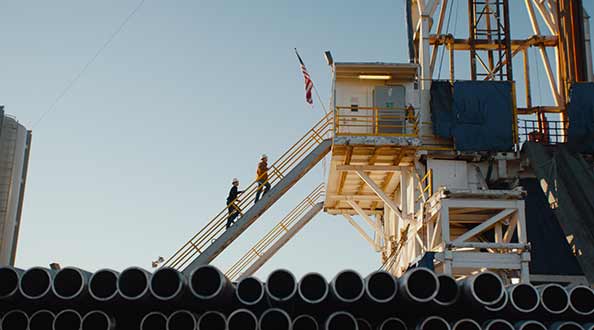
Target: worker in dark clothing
<point>262,176</point>
<point>232,207</point>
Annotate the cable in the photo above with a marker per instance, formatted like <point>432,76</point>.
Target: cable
<point>443,49</point>
<point>89,63</point>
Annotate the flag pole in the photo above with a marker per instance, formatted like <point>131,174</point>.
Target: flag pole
<point>314,86</point>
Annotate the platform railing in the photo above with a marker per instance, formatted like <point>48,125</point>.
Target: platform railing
<point>254,253</point>
<point>546,132</point>
<point>217,225</point>
<point>374,121</point>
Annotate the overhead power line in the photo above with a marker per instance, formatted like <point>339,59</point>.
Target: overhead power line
<point>89,63</point>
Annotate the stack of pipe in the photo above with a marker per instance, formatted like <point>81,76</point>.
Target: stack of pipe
<point>73,299</point>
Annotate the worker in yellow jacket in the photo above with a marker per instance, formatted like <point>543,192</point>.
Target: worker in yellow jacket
<point>262,177</point>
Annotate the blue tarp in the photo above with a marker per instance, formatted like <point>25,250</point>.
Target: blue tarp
<point>442,115</point>
<point>581,117</point>
<point>483,113</point>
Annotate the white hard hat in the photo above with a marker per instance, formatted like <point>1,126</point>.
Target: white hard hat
<point>264,156</point>
<point>235,180</point>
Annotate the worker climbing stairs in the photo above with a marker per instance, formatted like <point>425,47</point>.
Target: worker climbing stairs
<point>279,235</point>
<point>213,238</point>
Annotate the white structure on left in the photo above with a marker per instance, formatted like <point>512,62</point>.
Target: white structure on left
<point>15,146</point>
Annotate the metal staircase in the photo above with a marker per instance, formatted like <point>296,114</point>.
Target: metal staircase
<point>211,240</point>
<point>278,236</point>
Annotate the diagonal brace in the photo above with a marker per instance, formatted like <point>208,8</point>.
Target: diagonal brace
<point>484,226</point>
<point>380,193</point>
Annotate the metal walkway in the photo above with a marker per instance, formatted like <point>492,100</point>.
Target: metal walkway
<point>209,242</point>
<point>278,236</point>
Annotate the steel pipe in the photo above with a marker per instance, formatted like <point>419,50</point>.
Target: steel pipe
<point>433,323</point>
<point>249,291</point>
<point>242,319</point>
<point>381,287</point>
<point>418,285</point>
<point>485,288</point>
<point>41,320</point>
<point>209,285</point>
<point>500,305</point>
<point>67,319</point>
<point>182,320</point>
<point>523,298</point>
<point>36,283</point>
<point>168,285</point>
<point>313,288</point>
<point>212,321</point>
<point>466,324</point>
<point>392,323</point>
<point>341,321</point>
<point>588,326</point>
<point>307,322</point>
<point>15,320</point>
<point>566,325</point>
<point>274,319</point>
<point>9,283</point>
<point>103,285</point>
<point>363,324</point>
<point>133,284</point>
<point>71,284</point>
<point>281,286</point>
<point>448,292</point>
<point>497,324</point>
<point>98,320</point>
<point>154,321</point>
<point>348,287</point>
<point>530,325</point>
<point>581,300</point>
<point>554,299</point>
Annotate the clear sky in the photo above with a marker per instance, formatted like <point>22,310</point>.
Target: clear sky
<point>140,153</point>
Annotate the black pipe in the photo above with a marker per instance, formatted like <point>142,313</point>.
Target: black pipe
<point>341,321</point>
<point>588,326</point>
<point>133,284</point>
<point>565,325</point>
<point>250,292</point>
<point>67,319</point>
<point>418,285</point>
<point>208,285</point>
<point>71,284</point>
<point>36,284</point>
<point>182,320</point>
<point>281,286</point>
<point>212,321</point>
<point>523,298</point>
<point>433,323</point>
<point>485,288</point>
<point>168,285</point>
<point>581,300</point>
<point>466,324</point>
<point>41,320</point>
<point>9,283</point>
<point>554,299</point>
<point>274,319</point>
<point>306,322</point>
<point>98,320</point>
<point>530,325</point>
<point>242,319</point>
<point>381,287</point>
<point>154,321</point>
<point>363,324</point>
<point>448,292</point>
<point>498,306</point>
<point>348,287</point>
<point>313,289</point>
<point>497,324</point>
<point>15,320</point>
<point>393,323</point>
<point>103,286</point>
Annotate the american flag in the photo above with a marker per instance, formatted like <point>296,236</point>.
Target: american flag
<point>308,82</point>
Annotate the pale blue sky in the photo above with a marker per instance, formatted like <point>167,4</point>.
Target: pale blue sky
<point>141,151</point>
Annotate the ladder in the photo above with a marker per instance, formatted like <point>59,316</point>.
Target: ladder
<point>213,238</point>
<point>278,236</point>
